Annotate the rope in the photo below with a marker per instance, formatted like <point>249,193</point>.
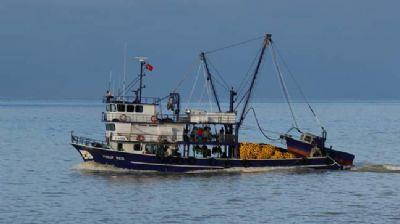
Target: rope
<point>202,92</point>
<point>194,84</point>
<point>259,126</point>
<point>132,83</point>
<point>185,76</point>
<point>234,45</point>
<point>283,86</point>
<point>244,95</point>
<point>225,84</point>
<point>244,81</point>
<point>300,89</point>
<point>293,128</point>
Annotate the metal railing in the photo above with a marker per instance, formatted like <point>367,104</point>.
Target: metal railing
<point>187,139</point>
<point>147,137</point>
<point>126,117</point>
<point>223,118</point>
<point>131,99</point>
<point>88,141</point>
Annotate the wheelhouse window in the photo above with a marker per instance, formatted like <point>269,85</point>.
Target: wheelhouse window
<point>121,107</point>
<point>307,139</point>
<point>139,109</point>
<point>113,108</point>
<point>151,148</point>
<point>130,108</point>
<point>108,108</point>
<point>136,147</point>
<point>110,127</point>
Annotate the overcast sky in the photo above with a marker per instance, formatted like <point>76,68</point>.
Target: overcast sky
<point>65,49</point>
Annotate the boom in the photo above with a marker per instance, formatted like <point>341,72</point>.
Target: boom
<point>209,78</point>
<point>267,41</point>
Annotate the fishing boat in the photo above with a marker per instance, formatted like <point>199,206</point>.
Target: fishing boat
<point>140,136</point>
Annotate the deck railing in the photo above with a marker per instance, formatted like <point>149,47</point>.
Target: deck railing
<point>224,139</point>
<point>183,118</point>
<point>131,99</point>
<point>88,141</point>
<point>126,117</point>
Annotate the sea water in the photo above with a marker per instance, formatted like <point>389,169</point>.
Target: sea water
<point>43,179</point>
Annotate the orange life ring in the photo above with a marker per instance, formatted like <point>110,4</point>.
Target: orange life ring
<point>140,138</point>
<point>153,119</point>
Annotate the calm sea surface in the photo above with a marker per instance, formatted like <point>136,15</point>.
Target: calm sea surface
<point>43,179</point>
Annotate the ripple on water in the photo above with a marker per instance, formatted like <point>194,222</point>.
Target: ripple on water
<point>377,168</point>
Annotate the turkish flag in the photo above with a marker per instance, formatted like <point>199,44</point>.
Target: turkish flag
<point>149,67</point>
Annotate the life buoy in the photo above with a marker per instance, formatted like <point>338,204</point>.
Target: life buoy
<point>140,138</point>
<point>123,117</point>
<point>153,119</point>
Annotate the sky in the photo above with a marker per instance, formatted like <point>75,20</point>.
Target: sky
<point>53,49</point>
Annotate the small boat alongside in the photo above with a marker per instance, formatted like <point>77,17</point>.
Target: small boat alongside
<point>140,136</point>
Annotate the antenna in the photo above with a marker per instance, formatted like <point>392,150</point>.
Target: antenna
<point>109,80</point>
<point>141,58</point>
<point>125,55</point>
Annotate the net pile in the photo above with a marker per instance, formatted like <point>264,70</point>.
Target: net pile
<point>262,151</point>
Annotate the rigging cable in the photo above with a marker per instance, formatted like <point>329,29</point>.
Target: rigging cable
<point>234,45</point>
<point>194,84</point>
<point>244,95</point>
<point>259,126</point>
<point>244,81</point>
<point>132,83</point>
<point>224,83</point>
<point>299,88</point>
<point>185,76</point>
<point>283,86</point>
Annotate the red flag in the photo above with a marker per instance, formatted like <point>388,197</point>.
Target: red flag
<point>149,67</point>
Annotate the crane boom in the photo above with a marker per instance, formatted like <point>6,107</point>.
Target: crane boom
<point>209,78</point>
<point>267,41</point>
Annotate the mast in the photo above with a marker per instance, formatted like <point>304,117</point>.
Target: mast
<point>142,61</point>
<point>232,94</point>
<point>267,41</point>
<point>203,58</point>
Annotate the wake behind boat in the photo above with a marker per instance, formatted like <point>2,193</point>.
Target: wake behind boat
<point>140,136</point>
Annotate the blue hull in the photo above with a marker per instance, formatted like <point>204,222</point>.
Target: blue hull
<point>178,164</point>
